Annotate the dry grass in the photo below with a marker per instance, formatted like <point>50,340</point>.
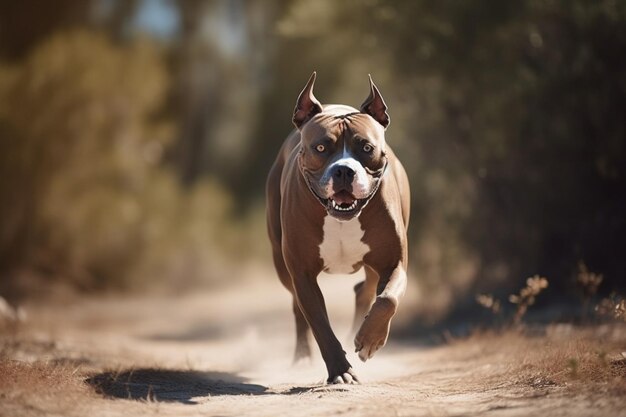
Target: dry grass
<point>76,368</point>
<point>587,283</point>
<point>527,295</point>
<point>523,300</point>
<point>40,388</point>
<point>579,359</point>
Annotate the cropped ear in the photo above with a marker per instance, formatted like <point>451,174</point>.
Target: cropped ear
<point>375,106</point>
<point>307,105</point>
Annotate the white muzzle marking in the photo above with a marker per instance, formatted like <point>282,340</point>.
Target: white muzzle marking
<point>360,181</point>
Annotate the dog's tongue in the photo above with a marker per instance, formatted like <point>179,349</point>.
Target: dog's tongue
<point>343,197</point>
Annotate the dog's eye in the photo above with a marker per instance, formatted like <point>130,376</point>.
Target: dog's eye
<point>367,148</point>
<point>320,148</point>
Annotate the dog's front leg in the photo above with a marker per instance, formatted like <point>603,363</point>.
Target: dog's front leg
<point>375,329</point>
<point>312,304</point>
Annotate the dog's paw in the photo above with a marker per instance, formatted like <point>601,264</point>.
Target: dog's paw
<point>348,377</point>
<point>375,329</point>
<point>367,348</point>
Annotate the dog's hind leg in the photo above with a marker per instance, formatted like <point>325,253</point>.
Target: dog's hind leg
<point>303,330</point>
<point>365,292</point>
<point>303,334</point>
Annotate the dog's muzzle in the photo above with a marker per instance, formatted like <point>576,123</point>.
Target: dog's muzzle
<point>343,205</point>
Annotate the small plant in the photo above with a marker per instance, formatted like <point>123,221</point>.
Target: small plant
<point>526,296</point>
<point>10,318</point>
<point>620,310</point>
<point>573,365</point>
<point>489,302</point>
<point>587,283</point>
<point>613,306</point>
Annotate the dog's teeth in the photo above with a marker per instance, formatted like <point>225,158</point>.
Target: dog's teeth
<point>338,207</point>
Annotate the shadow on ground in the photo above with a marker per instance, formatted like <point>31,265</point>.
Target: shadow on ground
<point>170,385</point>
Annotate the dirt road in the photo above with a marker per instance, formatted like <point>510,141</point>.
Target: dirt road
<point>227,352</point>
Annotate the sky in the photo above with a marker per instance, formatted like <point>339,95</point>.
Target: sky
<point>157,17</point>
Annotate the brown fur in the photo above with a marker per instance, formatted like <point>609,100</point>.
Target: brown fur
<point>295,219</point>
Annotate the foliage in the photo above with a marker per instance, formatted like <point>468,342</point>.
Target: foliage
<point>489,302</point>
<point>514,131</point>
<point>526,296</point>
<point>523,300</point>
<point>508,118</point>
<point>587,283</point>
<point>613,307</point>
<point>89,199</point>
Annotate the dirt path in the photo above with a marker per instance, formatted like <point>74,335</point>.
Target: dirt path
<point>227,352</point>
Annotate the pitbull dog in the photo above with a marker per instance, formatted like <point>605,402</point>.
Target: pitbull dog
<point>338,201</point>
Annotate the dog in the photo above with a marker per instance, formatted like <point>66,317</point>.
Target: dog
<point>338,201</point>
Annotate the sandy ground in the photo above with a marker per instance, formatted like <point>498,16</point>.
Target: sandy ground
<point>227,352</point>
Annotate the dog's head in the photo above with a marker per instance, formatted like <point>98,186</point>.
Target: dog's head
<point>342,156</point>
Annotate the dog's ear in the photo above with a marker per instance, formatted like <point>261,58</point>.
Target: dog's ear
<point>375,106</point>
<point>307,105</point>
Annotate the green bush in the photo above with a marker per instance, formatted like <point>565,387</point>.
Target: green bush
<point>86,196</point>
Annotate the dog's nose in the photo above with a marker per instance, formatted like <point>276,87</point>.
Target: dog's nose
<point>343,172</point>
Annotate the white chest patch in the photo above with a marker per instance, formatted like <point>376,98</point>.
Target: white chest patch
<point>342,248</point>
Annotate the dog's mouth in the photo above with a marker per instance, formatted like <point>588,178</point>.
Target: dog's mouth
<point>343,201</point>
<point>343,205</point>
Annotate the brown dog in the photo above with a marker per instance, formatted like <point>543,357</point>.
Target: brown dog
<point>338,201</point>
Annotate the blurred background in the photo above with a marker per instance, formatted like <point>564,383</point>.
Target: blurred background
<point>136,135</point>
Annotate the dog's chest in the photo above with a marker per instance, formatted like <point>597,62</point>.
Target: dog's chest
<point>342,249</point>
